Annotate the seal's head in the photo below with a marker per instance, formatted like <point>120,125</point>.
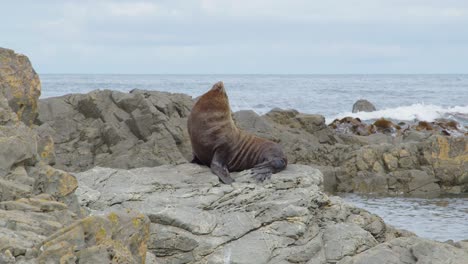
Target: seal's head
<point>215,99</point>
<point>219,87</point>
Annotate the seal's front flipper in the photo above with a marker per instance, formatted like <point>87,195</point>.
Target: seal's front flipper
<point>220,169</point>
<point>222,173</point>
<point>265,169</point>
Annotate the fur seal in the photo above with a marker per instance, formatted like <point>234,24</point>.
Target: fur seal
<point>219,144</point>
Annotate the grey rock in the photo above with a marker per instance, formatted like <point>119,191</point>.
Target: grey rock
<point>250,121</point>
<point>410,250</point>
<point>150,258</point>
<point>330,176</point>
<point>195,219</point>
<point>363,105</point>
<point>17,144</point>
<point>148,128</point>
<point>346,240</point>
<point>20,85</point>
<point>40,218</point>
<point>7,116</point>
<point>118,237</point>
<point>7,257</point>
<point>114,129</point>
<point>427,168</point>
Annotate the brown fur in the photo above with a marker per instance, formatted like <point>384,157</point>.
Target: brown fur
<point>212,129</point>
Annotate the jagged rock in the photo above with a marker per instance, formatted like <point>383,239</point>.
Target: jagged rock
<point>109,128</point>
<point>196,219</point>
<point>410,250</point>
<point>305,138</point>
<point>143,128</point>
<point>310,124</point>
<point>353,126</point>
<point>119,237</point>
<point>426,168</point>
<point>363,105</point>
<point>343,239</point>
<point>17,145</point>
<point>26,222</point>
<point>449,158</point>
<point>193,217</point>
<point>37,200</point>
<point>42,230</point>
<point>20,84</point>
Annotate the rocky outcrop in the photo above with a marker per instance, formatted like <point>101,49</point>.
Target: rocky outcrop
<point>362,105</point>
<point>40,218</point>
<point>418,163</point>
<point>288,219</point>
<point>195,219</point>
<point>429,167</point>
<point>142,128</point>
<point>118,237</point>
<point>411,250</point>
<point>354,126</point>
<point>19,84</point>
<point>305,138</point>
<point>115,129</point>
<point>187,215</point>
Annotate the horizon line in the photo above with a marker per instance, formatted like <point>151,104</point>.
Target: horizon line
<point>59,73</point>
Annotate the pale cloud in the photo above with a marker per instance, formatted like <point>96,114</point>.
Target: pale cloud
<point>338,10</point>
<point>437,13</point>
<point>246,36</point>
<point>132,9</point>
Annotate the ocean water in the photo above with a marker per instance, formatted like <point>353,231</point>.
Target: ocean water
<point>399,97</point>
<point>437,218</point>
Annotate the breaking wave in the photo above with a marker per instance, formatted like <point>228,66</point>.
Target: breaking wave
<point>414,112</point>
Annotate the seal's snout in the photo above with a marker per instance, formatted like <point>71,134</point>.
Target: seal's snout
<point>219,86</point>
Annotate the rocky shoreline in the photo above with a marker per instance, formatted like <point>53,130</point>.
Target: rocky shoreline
<point>148,128</point>
<point>103,176</point>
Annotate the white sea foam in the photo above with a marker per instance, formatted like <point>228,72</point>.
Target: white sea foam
<point>414,112</point>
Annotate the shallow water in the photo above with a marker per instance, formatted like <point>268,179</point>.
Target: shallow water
<point>438,218</point>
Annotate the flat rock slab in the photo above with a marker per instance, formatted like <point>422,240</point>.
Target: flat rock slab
<point>196,219</point>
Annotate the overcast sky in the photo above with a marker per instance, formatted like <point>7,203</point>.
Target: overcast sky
<point>239,36</point>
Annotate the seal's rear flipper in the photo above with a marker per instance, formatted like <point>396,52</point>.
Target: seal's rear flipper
<point>265,169</point>
<point>262,171</point>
